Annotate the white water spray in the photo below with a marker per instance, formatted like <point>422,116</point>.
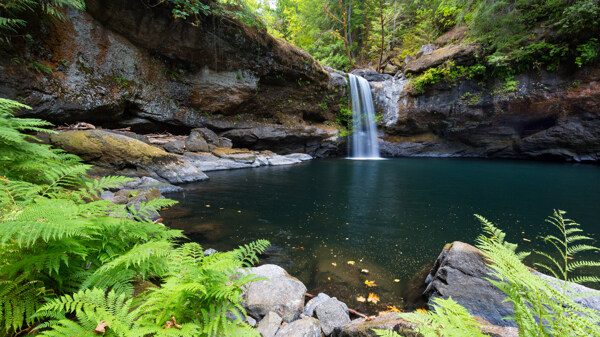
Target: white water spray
<point>364,127</point>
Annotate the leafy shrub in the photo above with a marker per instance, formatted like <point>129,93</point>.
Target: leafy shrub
<point>57,237</point>
<point>447,72</point>
<point>587,52</point>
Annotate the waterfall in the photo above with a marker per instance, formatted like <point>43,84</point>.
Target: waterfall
<point>364,127</point>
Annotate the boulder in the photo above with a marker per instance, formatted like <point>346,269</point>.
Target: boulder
<point>460,54</point>
<point>364,328</point>
<point>196,142</point>
<point>332,314</point>
<point>144,183</point>
<point>209,162</point>
<point>225,143</point>
<point>306,327</point>
<point>176,146</point>
<point>426,49</point>
<point>208,135</point>
<point>281,293</point>
<point>299,156</point>
<point>278,160</point>
<point>117,153</point>
<point>268,326</point>
<point>310,306</point>
<point>460,272</point>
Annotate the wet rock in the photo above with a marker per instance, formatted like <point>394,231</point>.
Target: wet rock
<point>363,328</point>
<point>209,162</point>
<point>332,314</point>
<point>210,251</point>
<point>371,75</point>
<point>177,146</point>
<point>278,160</point>
<point>283,140</point>
<point>138,197</point>
<point>268,326</point>
<point>144,183</point>
<point>107,195</point>
<point>280,293</point>
<point>118,152</point>
<point>299,156</point>
<point>310,306</point>
<point>460,273</point>
<point>306,327</point>
<point>459,54</point>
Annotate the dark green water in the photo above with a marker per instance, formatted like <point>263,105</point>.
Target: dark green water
<point>391,217</point>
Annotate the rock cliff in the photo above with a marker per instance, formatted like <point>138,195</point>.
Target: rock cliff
<point>122,63</point>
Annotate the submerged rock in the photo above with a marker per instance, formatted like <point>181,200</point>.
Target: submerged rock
<point>280,293</point>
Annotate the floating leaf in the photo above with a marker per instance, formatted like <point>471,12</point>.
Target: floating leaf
<point>364,271</point>
<point>360,299</point>
<point>334,264</point>
<point>373,298</point>
<point>396,280</point>
<point>370,283</point>
<point>351,263</point>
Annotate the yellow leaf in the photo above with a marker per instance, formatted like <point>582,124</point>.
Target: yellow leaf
<point>423,311</point>
<point>333,264</point>
<point>396,280</point>
<point>373,298</point>
<point>351,262</point>
<point>370,283</point>
<point>360,299</point>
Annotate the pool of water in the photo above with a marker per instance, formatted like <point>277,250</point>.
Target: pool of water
<point>330,220</point>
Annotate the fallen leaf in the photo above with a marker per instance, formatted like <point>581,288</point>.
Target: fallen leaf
<point>364,271</point>
<point>207,205</point>
<point>300,248</point>
<point>360,299</point>
<point>351,263</point>
<point>524,239</point>
<point>373,298</point>
<point>370,283</point>
<point>101,327</point>
<point>334,264</point>
<point>421,310</point>
<point>328,278</point>
<point>396,280</point>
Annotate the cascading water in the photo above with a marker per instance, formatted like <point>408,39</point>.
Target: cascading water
<point>364,127</point>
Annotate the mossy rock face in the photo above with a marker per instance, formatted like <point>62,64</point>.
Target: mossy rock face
<point>119,152</point>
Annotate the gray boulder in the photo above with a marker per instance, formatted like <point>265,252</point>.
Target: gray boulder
<point>196,143</point>
<point>299,156</point>
<point>177,146</point>
<point>306,327</point>
<point>208,135</point>
<point>332,314</point>
<point>277,160</point>
<point>460,272</point>
<point>269,325</point>
<point>281,293</point>
<point>310,306</point>
<point>225,142</point>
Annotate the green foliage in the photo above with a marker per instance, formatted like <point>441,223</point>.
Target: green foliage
<point>587,52</point>
<point>56,238</point>
<point>449,319</point>
<point>242,10</point>
<point>542,306</point>
<point>14,12</point>
<point>448,73</point>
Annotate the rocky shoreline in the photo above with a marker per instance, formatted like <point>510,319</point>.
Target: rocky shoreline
<point>276,307</point>
<point>161,162</point>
